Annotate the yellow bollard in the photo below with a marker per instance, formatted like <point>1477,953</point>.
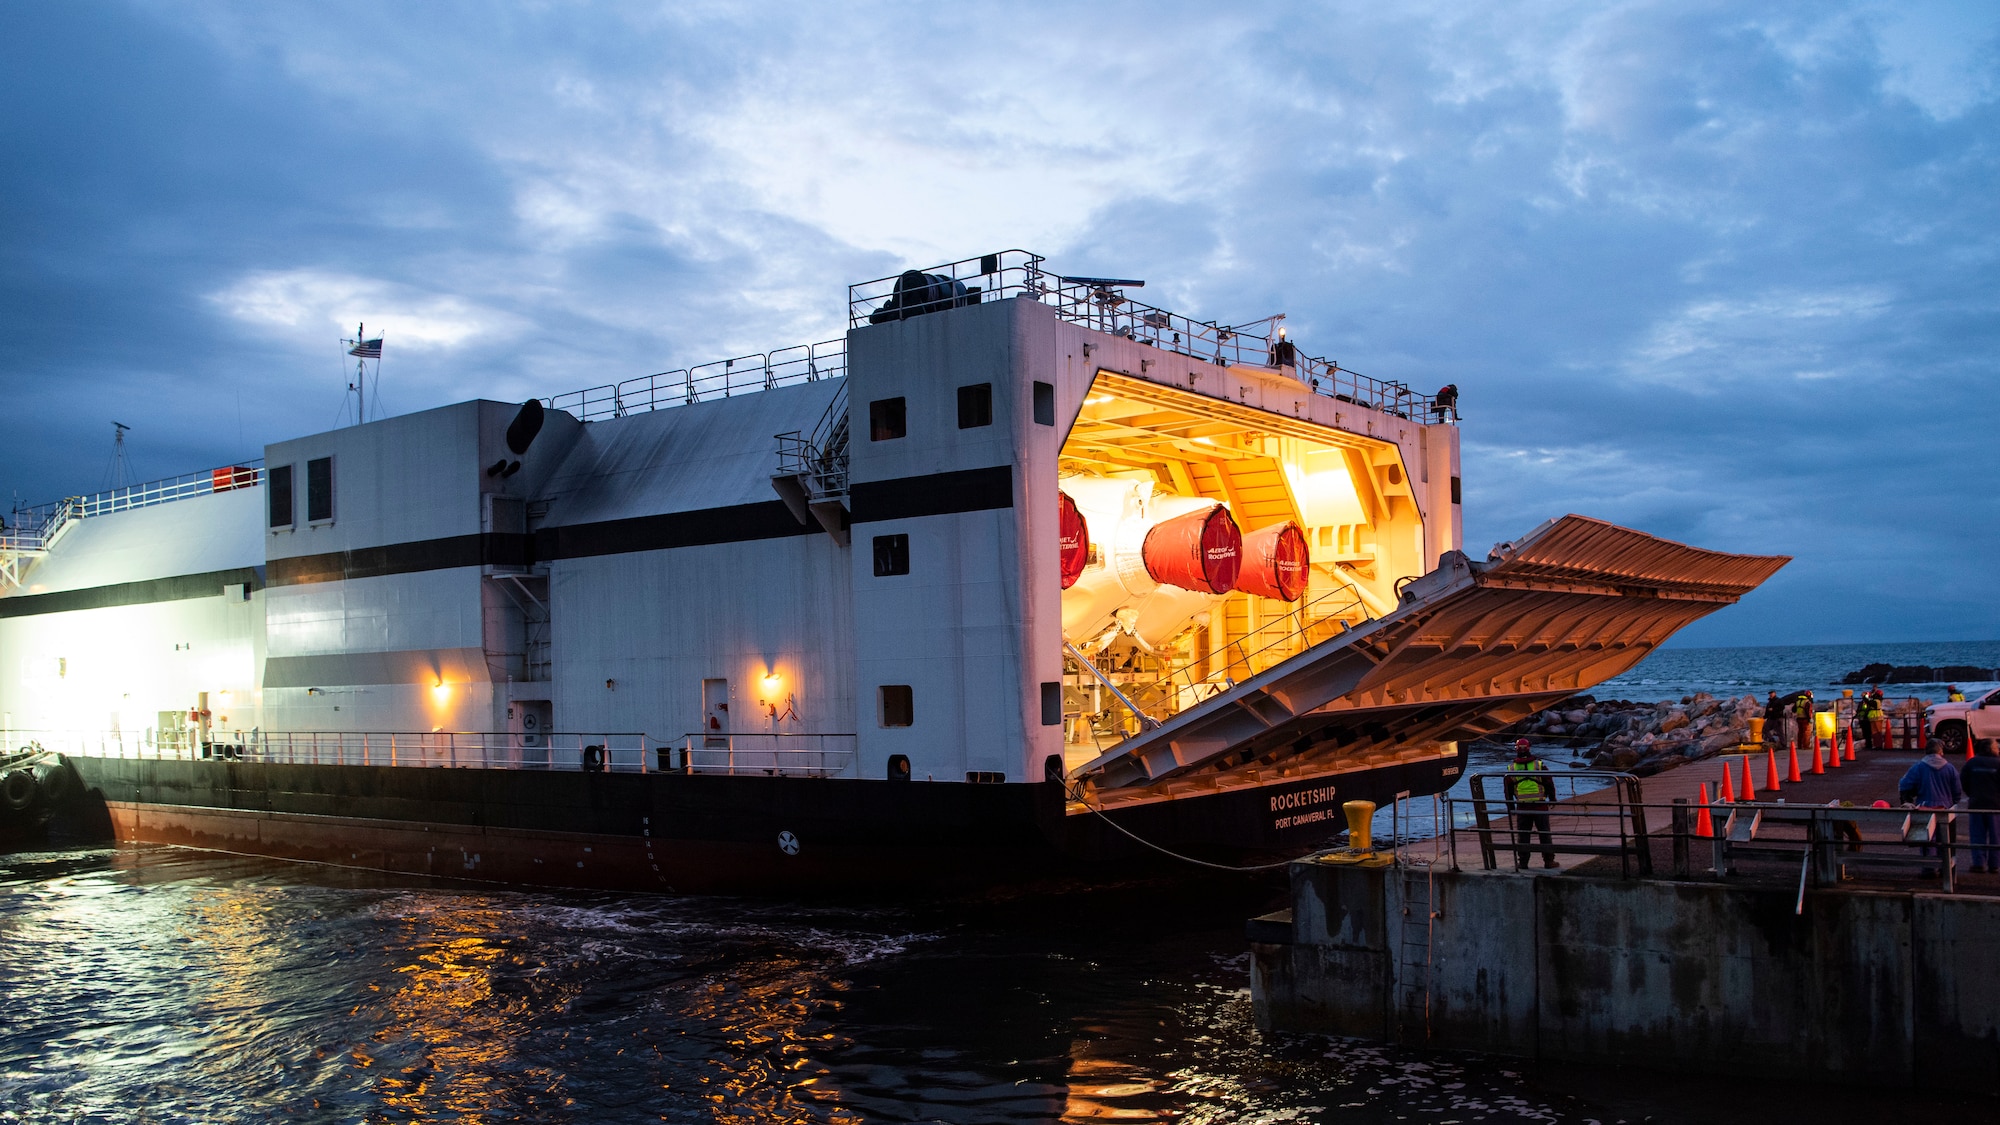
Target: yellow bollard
<point>1360,825</point>
<point>1757,729</point>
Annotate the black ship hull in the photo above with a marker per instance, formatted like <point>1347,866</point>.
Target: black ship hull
<point>692,833</point>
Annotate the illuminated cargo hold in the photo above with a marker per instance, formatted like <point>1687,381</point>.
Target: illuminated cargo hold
<point>1017,567</point>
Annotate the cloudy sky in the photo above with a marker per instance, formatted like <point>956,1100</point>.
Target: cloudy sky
<point>1723,272</point>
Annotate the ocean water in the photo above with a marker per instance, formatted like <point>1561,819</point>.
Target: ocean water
<point>1673,672</point>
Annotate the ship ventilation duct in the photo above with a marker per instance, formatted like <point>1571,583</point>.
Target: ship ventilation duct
<point>1276,563</point>
<point>526,424</point>
<point>1073,539</point>
<point>1200,551</point>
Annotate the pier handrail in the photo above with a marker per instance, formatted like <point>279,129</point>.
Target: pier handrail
<point>1105,307</point>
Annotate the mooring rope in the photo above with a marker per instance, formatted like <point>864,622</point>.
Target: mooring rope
<point>1077,795</point>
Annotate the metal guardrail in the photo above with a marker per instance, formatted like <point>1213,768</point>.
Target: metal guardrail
<point>715,752</point>
<point>588,752</point>
<point>767,754</point>
<point>1198,680</point>
<point>1821,841</point>
<point>723,378</point>
<point>32,528</point>
<point>1105,307</point>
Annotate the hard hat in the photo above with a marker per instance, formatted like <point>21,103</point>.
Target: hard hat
<point>1522,745</point>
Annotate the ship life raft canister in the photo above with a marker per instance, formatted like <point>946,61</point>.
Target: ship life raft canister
<point>1276,562</point>
<point>1073,540</point>
<point>1200,551</point>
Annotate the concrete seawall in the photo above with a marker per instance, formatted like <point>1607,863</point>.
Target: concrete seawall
<point>1862,986</point>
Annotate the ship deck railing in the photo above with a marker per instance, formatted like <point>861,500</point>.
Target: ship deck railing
<point>722,378</point>
<point>717,752</point>
<point>1104,306</point>
<point>561,751</point>
<point>1149,699</point>
<point>30,530</point>
<point>760,754</point>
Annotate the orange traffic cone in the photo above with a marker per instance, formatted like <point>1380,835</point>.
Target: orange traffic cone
<point>1749,782</point>
<point>1833,751</point>
<point>1850,744</point>
<point>1794,774</point>
<point>1727,792</point>
<point>1819,757</point>
<point>1703,826</point>
<point>1771,769</point>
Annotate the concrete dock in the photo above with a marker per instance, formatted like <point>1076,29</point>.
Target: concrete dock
<point>1799,960</point>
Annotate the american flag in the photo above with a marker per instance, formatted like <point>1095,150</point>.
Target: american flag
<point>367,349</point>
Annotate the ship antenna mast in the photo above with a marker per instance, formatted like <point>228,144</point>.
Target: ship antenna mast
<point>364,348</point>
<point>121,467</point>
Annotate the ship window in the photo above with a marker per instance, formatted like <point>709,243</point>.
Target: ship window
<point>892,555</point>
<point>319,489</point>
<point>885,419</point>
<point>1045,404</point>
<point>898,710</point>
<point>279,481</point>
<point>975,406</point>
<point>1454,491</point>
<point>1052,703</point>
<point>899,767</point>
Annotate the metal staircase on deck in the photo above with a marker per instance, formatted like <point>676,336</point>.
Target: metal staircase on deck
<point>812,470</point>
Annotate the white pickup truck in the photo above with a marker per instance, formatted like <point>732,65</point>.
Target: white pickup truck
<point>1951,724</point>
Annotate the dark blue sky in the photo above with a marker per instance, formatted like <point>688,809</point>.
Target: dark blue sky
<point>1723,272</point>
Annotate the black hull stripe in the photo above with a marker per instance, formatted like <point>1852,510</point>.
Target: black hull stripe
<point>179,588</point>
<point>971,490</point>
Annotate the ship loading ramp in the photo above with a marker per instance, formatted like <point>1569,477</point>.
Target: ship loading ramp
<point>1472,648</point>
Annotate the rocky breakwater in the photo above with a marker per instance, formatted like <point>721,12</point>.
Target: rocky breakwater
<point>1644,738</point>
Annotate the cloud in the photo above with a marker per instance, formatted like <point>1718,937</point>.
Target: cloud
<point>311,304</point>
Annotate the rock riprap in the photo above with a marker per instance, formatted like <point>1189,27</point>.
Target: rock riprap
<point>1645,738</point>
<point>1920,674</point>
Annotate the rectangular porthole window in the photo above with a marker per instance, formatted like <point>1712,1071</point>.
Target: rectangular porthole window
<point>975,406</point>
<point>279,482</point>
<point>897,708</point>
<point>1052,704</point>
<point>1455,491</point>
<point>892,555</point>
<point>319,490</point>
<point>886,419</point>
<point>1045,404</point>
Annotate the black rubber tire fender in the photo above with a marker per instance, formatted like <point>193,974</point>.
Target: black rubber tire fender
<point>18,789</point>
<point>55,779</point>
<point>593,759</point>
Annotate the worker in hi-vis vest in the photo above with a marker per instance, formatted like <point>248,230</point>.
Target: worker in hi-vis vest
<point>1528,796</point>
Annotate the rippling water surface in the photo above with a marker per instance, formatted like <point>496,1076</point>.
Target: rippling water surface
<point>158,985</point>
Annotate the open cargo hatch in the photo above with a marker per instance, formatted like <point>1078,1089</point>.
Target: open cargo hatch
<point>1473,647</point>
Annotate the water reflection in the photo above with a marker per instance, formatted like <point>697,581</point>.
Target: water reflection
<point>148,984</point>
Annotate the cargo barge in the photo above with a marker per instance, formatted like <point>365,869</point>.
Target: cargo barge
<point>1022,577</point>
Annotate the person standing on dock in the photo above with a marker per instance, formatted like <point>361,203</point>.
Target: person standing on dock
<point>1870,713</point>
<point>1777,731</point>
<point>1980,778</point>
<point>1802,710</point>
<point>1932,785</point>
<point>1952,694</point>
<point>1528,797</point>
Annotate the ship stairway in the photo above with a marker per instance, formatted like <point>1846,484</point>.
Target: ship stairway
<point>1471,648</point>
<point>812,470</point>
